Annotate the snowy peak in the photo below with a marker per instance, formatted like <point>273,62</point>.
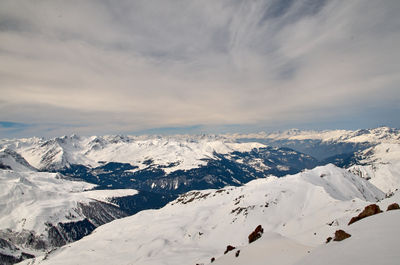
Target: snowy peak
<point>184,152</point>
<point>340,184</point>
<point>11,160</point>
<point>376,135</point>
<point>336,182</point>
<point>174,152</point>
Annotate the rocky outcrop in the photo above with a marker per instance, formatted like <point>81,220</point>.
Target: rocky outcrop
<point>229,248</point>
<point>6,259</point>
<point>10,254</point>
<point>256,234</point>
<point>341,235</point>
<point>368,211</point>
<point>96,213</point>
<point>393,206</point>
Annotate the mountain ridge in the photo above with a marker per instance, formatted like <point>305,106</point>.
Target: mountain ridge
<point>200,224</point>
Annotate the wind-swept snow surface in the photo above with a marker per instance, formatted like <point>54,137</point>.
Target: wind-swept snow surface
<point>301,210</point>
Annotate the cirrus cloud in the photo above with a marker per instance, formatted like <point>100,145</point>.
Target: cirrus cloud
<point>119,67</point>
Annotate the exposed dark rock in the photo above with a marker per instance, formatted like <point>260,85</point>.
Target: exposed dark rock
<point>341,235</point>
<point>5,244</point>
<point>24,238</point>
<point>229,248</point>
<point>99,213</point>
<point>64,233</point>
<point>2,166</point>
<point>393,206</point>
<point>55,237</point>
<point>328,240</point>
<point>8,259</point>
<point>256,234</point>
<point>369,210</point>
<point>212,259</point>
<point>10,254</point>
<point>237,253</point>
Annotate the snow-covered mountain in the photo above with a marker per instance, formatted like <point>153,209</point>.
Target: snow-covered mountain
<point>380,165</point>
<point>10,159</point>
<point>174,153</point>
<point>325,146</point>
<point>301,210</point>
<point>40,211</point>
<point>46,202</point>
<point>159,164</point>
<point>371,153</point>
<point>375,135</point>
<point>44,210</point>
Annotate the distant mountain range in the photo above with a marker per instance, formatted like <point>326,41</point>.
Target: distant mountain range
<point>59,190</point>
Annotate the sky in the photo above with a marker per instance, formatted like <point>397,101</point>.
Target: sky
<point>178,66</point>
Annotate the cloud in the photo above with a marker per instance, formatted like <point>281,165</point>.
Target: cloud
<point>113,67</point>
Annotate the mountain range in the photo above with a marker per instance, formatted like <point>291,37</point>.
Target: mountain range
<point>206,192</point>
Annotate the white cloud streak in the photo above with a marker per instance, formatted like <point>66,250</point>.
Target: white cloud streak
<point>122,66</point>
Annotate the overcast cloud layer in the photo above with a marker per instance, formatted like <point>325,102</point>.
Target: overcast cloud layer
<point>96,67</point>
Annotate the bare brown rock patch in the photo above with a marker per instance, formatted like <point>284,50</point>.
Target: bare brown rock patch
<point>341,235</point>
<point>369,210</point>
<point>393,206</point>
<point>229,248</point>
<point>256,234</point>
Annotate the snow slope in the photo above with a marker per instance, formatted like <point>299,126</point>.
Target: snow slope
<point>271,248</point>
<point>29,200</point>
<point>374,240</point>
<point>381,166</point>
<point>301,210</point>
<point>184,151</point>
